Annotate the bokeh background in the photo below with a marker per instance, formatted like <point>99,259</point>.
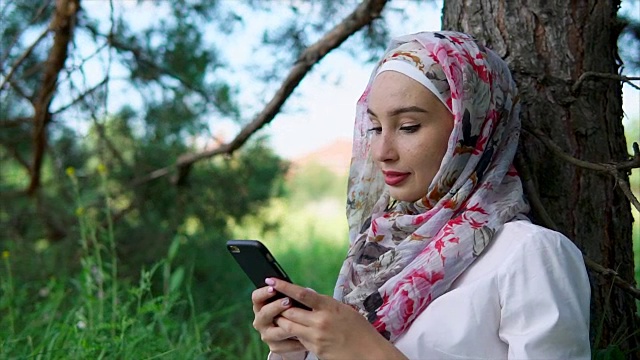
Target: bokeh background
<point>100,261</point>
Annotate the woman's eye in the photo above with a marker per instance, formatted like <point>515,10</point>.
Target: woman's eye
<point>410,129</point>
<point>375,130</point>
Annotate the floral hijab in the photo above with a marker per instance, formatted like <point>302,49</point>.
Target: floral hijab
<point>403,255</point>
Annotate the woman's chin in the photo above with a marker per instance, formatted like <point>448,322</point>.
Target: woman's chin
<point>405,196</point>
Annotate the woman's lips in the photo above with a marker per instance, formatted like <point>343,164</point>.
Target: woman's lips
<point>393,178</point>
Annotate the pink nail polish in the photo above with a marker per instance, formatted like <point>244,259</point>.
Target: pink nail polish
<point>270,289</point>
<point>285,302</point>
<point>269,281</point>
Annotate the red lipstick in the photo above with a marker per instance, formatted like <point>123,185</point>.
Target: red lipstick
<point>393,178</point>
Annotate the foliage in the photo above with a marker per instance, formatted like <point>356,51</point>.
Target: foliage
<point>630,24</point>
<point>314,181</point>
<point>96,313</point>
<point>142,84</point>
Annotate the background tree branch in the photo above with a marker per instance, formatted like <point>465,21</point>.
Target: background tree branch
<point>140,56</point>
<point>613,168</point>
<point>62,24</point>
<point>592,74</point>
<point>19,90</point>
<point>362,16</point>
<point>25,54</point>
<point>81,97</point>
<point>41,10</point>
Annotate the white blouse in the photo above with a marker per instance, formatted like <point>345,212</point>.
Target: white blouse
<point>526,297</point>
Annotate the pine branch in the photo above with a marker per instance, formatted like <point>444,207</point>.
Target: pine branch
<point>593,74</point>
<point>38,14</point>
<point>81,97</point>
<point>103,135</point>
<point>138,54</point>
<point>16,155</point>
<point>612,168</point>
<point>626,189</point>
<point>62,24</point>
<point>19,90</point>
<point>11,123</point>
<point>22,57</point>
<point>362,16</point>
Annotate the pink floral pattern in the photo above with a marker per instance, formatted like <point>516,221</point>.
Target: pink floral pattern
<point>422,247</point>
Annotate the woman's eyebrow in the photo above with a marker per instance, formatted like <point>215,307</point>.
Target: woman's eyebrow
<point>400,110</point>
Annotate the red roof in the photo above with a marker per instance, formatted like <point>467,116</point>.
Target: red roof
<point>335,156</point>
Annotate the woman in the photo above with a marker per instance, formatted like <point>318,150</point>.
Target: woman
<point>443,264</point>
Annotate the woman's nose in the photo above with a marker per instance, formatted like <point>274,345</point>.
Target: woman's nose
<point>384,148</point>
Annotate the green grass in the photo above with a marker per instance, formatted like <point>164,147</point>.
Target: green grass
<point>94,313</point>
<point>173,310</point>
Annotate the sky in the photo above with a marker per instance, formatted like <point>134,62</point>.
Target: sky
<point>330,107</point>
<point>322,108</point>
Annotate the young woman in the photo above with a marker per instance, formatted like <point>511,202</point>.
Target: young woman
<point>443,263</point>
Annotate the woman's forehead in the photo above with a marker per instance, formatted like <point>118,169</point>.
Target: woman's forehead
<point>390,87</point>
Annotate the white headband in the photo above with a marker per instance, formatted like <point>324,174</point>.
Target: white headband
<point>411,71</point>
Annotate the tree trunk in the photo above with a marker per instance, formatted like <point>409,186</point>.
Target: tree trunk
<point>548,45</point>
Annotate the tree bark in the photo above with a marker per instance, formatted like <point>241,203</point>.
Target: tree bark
<point>548,46</point>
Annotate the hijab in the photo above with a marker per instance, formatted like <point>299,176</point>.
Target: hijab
<point>403,255</point>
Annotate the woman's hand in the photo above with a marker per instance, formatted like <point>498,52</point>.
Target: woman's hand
<point>332,330</point>
<point>277,338</point>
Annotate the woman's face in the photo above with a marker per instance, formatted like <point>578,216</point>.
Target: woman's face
<point>410,130</point>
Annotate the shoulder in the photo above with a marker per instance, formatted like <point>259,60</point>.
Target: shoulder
<point>544,293</point>
<point>539,262</point>
<point>521,241</point>
<point>534,258</point>
<point>525,249</point>
<point>528,231</point>
<point>522,236</point>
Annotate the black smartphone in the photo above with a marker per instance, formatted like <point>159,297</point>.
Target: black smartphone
<point>258,263</point>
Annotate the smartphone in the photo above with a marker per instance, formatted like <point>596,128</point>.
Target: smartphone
<point>258,263</point>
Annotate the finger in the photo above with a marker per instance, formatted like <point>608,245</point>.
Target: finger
<point>305,296</point>
<point>260,297</point>
<point>286,346</point>
<point>301,332</point>
<point>265,317</point>
<point>275,334</point>
<point>298,316</point>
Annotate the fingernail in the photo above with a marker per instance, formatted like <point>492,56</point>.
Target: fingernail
<point>312,290</point>
<point>285,302</point>
<point>269,281</point>
<point>270,289</point>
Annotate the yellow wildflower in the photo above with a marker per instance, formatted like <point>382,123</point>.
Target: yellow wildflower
<point>102,169</point>
<point>5,254</point>
<point>79,211</point>
<point>71,171</point>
